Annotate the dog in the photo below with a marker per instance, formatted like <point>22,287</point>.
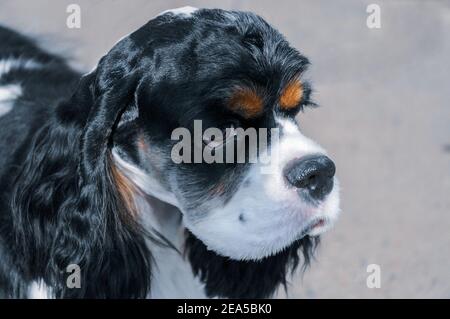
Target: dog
<point>93,204</point>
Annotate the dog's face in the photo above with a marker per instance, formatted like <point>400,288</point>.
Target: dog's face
<point>228,70</point>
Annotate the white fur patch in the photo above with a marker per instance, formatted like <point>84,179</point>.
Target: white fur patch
<point>183,11</point>
<point>8,93</point>
<point>7,65</point>
<point>172,275</point>
<point>38,290</point>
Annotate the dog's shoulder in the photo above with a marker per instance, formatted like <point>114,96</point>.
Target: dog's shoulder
<point>32,82</point>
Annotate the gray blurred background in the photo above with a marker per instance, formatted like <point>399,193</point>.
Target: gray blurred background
<point>384,118</point>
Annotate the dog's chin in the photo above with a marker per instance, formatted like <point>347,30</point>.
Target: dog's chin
<point>230,278</point>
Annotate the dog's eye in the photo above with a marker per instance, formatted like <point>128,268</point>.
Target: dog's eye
<point>218,140</point>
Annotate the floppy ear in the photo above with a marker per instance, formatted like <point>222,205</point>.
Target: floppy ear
<point>66,203</point>
<point>95,229</point>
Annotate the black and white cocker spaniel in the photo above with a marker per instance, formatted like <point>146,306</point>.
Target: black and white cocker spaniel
<point>90,184</point>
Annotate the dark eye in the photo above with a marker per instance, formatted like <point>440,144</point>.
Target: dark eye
<point>227,135</point>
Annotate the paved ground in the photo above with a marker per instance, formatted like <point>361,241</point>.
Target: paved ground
<point>385,119</point>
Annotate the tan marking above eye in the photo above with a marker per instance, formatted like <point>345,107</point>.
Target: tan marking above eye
<point>291,95</point>
<point>247,102</point>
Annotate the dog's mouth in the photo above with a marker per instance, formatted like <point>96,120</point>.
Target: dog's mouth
<point>319,223</point>
<point>316,227</point>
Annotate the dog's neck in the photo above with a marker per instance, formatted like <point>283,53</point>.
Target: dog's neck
<point>172,275</point>
<point>156,215</point>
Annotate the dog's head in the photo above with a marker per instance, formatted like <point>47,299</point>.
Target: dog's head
<point>179,91</point>
<point>227,70</point>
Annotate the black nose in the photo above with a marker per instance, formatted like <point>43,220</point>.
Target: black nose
<point>313,173</point>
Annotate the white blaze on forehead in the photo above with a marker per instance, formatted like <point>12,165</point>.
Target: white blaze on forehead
<point>184,11</point>
<point>290,131</point>
<point>293,144</point>
<point>8,93</point>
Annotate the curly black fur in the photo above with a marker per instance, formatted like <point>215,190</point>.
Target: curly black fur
<point>60,205</point>
<point>66,208</point>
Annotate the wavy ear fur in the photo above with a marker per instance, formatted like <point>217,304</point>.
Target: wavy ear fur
<point>65,197</point>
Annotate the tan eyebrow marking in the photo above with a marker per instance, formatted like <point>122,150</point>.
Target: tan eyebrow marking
<point>247,102</point>
<point>291,95</point>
